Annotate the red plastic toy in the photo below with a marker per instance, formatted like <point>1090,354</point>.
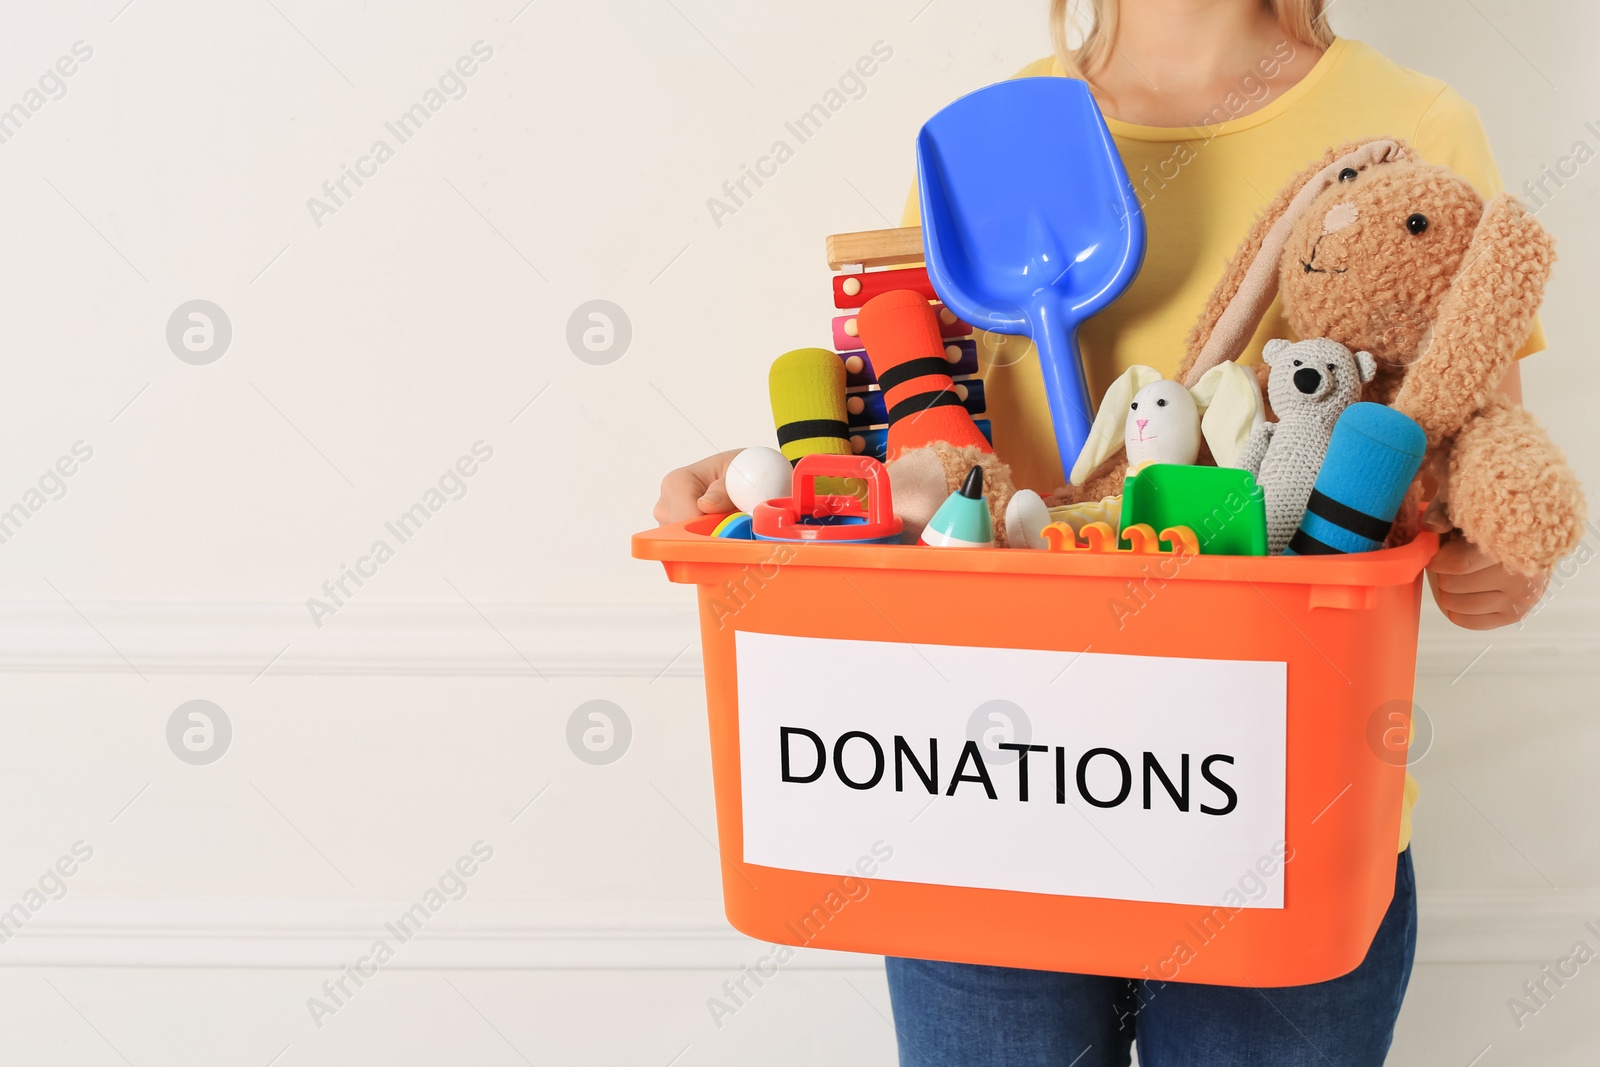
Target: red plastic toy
<point>831,518</point>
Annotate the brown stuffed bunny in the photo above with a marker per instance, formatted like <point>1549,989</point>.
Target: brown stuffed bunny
<point>1379,251</point>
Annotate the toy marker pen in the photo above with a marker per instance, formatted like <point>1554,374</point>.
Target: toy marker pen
<point>963,520</point>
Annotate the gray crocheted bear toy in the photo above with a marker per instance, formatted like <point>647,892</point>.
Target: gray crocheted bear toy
<point>1310,385</point>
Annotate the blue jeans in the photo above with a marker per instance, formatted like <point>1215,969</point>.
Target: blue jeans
<point>963,1015</point>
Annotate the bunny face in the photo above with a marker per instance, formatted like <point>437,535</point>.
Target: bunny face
<point>1163,425</point>
<point>1374,253</point>
<point>1155,420</point>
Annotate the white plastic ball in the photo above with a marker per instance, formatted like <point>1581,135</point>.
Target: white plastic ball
<point>758,475</point>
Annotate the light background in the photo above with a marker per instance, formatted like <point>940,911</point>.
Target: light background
<point>370,352</point>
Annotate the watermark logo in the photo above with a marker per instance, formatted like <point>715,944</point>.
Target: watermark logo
<point>50,886</point>
<point>1537,192</point>
<point>738,592</point>
<point>1553,977</point>
<point>199,332</point>
<point>1201,929</point>
<point>598,732</point>
<point>804,928</point>
<point>1399,732</point>
<point>1002,729</point>
<point>199,732</point>
<point>338,191</point>
<point>52,485</point>
<point>1565,572</point>
<point>599,332</point>
<point>452,885</point>
<point>451,485</point>
<point>738,191</point>
<point>50,86</point>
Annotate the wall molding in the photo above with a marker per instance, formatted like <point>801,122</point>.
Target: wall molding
<point>444,639</point>
<point>559,640</point>
<point>1455,927</point>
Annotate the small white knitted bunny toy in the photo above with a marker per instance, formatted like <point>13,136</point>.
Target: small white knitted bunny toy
<point>1310,385</point>
<point>1156,420</point>
<point>1153,420</point>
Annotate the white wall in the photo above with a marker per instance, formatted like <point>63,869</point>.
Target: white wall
<point>370,352</point>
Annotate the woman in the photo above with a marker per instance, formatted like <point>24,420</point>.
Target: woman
<point>1214,105</point>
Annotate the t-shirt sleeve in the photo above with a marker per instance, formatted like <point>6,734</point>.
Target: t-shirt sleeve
<point>1451,134</point>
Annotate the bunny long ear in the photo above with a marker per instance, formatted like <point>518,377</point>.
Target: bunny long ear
<point>1250,283</point>
<point>1482,320</point>
<point>1229,399</point>
<point>1111,421</point>
<point>1511,492</point>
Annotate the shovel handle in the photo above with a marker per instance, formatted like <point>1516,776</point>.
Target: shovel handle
<point>1056,338</point>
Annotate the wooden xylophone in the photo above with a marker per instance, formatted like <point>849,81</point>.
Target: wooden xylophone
<point>866,264</point>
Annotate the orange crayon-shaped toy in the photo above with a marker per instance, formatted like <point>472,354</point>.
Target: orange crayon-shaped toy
<point>900,331</point>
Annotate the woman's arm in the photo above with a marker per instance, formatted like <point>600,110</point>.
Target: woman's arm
<point>1472,590</point>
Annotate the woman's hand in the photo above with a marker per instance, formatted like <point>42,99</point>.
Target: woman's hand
<point>1473,590</point>
<point>695,490</point>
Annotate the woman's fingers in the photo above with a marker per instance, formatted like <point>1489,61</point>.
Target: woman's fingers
<point>715,499</point>
<point>1478,622</point>
<point>1437,517</point>
<point>1491,578</point>
<point>1477,593</point>
<point>1485,602</point>
<point>695,490</point>
<point>1457,555</point>
<point>1494,578</point>
<point>679,492</point>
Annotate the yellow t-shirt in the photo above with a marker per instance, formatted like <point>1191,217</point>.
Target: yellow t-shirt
<point>1201,188</point>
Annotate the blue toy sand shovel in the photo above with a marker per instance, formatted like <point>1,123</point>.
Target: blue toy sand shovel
<point>1030,225</point>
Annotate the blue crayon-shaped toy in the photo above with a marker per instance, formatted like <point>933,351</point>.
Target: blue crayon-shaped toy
<point>1373,456</point>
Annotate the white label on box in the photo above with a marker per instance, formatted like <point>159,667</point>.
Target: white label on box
<point>1138,777</point>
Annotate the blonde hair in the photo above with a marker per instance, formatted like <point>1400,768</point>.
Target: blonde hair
<point>1304,20</point>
